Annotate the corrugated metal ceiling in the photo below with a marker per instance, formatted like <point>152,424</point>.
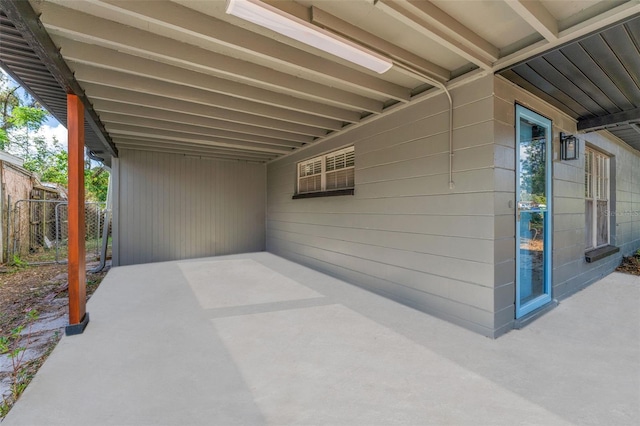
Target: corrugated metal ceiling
<point>21,62</point>
<point>596,80</point>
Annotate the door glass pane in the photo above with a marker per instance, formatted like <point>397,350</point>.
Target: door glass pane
<point>532,206</point>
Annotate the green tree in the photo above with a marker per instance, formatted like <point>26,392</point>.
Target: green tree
<point>21,118</point>
<point>96,183</point>
<point>49,161</point>
<point>533,171</point>
<point>52,166</point>
<point>20,122</point>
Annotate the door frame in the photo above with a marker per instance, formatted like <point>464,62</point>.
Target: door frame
<point>543,299</point>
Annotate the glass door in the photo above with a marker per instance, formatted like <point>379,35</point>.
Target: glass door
<point>533,204</point>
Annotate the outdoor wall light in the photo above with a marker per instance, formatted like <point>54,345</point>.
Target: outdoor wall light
<point>290,26</point>
<point>569,147</point>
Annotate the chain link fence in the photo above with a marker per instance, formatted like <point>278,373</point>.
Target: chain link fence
<point>39,231</point>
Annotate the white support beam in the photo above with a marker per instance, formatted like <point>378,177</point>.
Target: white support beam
<point>103,57</point>
<point>175,17</point>
<point>300,123</point>
<point>133,111</point>
<point>187,129</point>
<point>140,84</point>
<point>203,154</point>
<point>333,23</point>
<point>535,14</point>
<point>89,28</point>
<point>115,100</point>
<point>157,145</point>
<point>150,141</point>
<point>444,22</point>
<point>136,131</point>
<point>130,114</point>
<point>420,24</point>
<point>584,28</point>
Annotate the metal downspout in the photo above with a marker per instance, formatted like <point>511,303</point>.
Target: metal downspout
<point>105,231</point>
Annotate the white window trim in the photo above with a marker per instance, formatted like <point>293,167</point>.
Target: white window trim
<point>594,192</point>
<point>323,170</point>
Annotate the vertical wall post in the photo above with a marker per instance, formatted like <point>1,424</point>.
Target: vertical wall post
<point>78,317</point>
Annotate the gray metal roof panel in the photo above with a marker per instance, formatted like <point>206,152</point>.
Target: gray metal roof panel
<point>23,64</point>
<point>596,76</point>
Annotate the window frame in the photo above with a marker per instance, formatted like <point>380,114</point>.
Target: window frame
<point>597,181</point>
<point>346,190</point>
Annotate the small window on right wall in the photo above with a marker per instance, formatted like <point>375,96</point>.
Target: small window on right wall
<point>596,191</point>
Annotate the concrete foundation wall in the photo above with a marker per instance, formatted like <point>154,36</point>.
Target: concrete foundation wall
<point>404,233</point>
<point>171,207</point>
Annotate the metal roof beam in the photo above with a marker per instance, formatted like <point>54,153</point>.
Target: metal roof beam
<point>624,117</point>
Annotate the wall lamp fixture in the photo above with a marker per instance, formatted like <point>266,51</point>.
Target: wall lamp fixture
<point>569,147</point>
<point>267,16</point>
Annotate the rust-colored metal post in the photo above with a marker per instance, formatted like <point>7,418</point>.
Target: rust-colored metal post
<point>78,317</point>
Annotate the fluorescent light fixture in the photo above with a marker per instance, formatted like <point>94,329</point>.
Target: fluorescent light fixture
<point>274,19</point>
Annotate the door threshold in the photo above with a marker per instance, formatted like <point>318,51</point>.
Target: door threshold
<point>534,315</point>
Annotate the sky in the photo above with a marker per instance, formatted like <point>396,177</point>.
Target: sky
<point>51,126</point>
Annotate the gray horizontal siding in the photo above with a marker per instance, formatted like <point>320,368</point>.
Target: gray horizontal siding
<point>174,207</point>
<point>570,270</point>
<point>404,233</point>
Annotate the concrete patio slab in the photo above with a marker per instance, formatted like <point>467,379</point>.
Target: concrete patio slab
<point>268,341</point>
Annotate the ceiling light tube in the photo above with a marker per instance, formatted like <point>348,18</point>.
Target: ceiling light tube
<point>274,19</point>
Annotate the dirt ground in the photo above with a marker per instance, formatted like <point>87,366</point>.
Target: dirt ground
<point>630,265</point>
<point>43,289</point>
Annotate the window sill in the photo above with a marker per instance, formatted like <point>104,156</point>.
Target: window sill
<point>600,253</point>
<point>324,194</point>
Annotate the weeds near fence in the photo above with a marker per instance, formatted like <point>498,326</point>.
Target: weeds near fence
<point>18,262</point>
<point>16,345</point>
<point>39,230</point>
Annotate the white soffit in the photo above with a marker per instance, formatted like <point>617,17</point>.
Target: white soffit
<point>492,20</point>
<point>183,73</point>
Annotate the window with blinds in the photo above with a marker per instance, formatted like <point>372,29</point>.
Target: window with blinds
<point>328,172</point>
<point>596,193</point>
